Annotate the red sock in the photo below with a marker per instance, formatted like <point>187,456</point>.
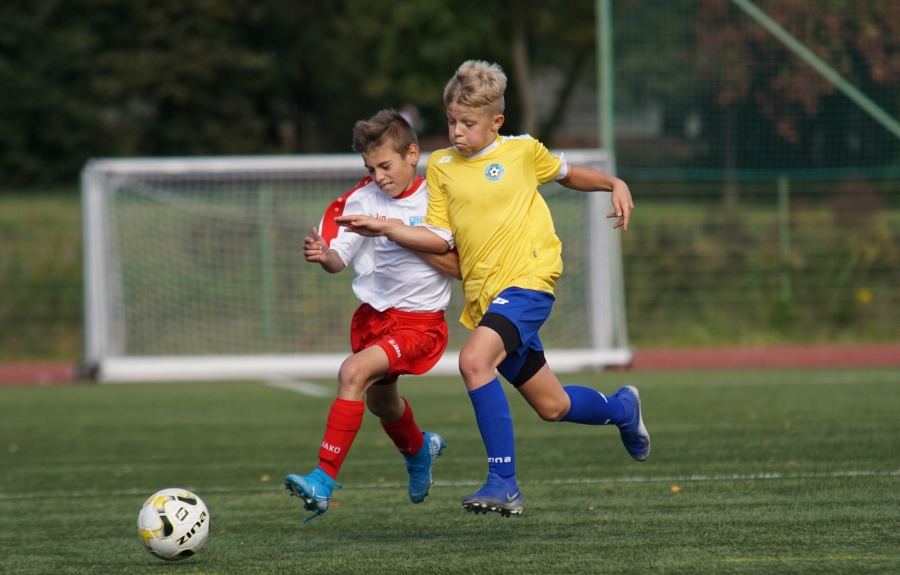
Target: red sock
<point>404,432</point>
<point>344,421</point>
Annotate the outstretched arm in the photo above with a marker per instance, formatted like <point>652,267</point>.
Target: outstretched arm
<point>415,237</point>
<point>446,263</point>
<point>590,180</point>
<point>316,250</point>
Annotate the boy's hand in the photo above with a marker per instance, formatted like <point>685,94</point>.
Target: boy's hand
<point>622,203</point>
<point>315,248</point>
<point>363,225</point>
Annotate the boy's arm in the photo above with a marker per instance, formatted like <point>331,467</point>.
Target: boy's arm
<point>415,237</point>
<point>447,263</point>
<point>316,250</point>
<point>590,180</point>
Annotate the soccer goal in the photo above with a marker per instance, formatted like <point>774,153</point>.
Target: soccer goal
<point>194,270</point>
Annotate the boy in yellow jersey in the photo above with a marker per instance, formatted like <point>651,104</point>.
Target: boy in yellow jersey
<point>483,200</point>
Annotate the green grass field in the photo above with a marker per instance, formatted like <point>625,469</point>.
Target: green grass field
<point>751,472</point>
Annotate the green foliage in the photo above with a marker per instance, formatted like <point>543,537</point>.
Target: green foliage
<point>856,38</point>
<point>704,274</point>
<point>84,78</point>
<point>731,95</point>
<point>88,78</point>
<point>41,295</point>
<point>91,78</point>
<point>764,486</point>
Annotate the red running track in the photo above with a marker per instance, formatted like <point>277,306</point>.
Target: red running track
<point>768,357</point>
<point>36,373</point>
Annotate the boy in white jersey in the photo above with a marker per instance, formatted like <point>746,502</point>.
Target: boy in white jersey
<point>400,327</point>
<point>483,199</point>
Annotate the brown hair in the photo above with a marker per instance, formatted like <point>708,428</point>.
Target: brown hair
<point>386,128</point>
<point>477,85</point>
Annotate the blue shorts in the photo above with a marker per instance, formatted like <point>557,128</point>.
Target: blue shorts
<point>527,310</point>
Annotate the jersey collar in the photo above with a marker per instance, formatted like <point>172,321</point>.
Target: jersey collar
<point>412,189</point>
<point>483,152</point>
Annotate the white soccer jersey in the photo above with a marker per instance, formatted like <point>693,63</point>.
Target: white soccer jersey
<point>387,275</point>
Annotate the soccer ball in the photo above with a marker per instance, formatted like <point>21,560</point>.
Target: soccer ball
<point>173,524</point>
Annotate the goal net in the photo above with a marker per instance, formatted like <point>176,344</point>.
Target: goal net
<point>194,269</point>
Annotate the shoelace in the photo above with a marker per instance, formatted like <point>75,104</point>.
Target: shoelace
<point>316,511</point>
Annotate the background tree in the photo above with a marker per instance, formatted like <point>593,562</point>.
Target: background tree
<point>89,78</point>
<point>86,78</point>
<point>83,78</point>
<point>752,74</point>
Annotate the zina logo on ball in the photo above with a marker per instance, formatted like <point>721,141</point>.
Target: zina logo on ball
<point>173,524</point>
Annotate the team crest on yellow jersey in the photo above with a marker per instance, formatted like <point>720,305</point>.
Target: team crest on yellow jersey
<point>493,172</point>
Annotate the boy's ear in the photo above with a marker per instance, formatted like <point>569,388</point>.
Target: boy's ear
<point>498,121</point>
<point>412,154</point>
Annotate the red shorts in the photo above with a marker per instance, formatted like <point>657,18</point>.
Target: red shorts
<point>413,341</point>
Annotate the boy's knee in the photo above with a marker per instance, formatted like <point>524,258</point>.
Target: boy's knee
<point>352,377</point>
<point>471,364</point>
<point>552,410</point>
<point>553,413</point>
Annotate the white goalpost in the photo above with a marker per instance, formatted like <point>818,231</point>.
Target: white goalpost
<point>194,270</point>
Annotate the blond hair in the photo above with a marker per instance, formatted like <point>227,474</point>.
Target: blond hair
<point>386,128</point>
<point>477,85</point>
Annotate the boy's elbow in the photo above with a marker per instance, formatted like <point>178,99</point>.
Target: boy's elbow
<point>450,249</point>
<point>449,266</point>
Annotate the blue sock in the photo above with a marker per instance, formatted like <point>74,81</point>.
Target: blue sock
<point>495,425</point>
<point>591,407</point>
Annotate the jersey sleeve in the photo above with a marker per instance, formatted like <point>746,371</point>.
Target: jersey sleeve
<point>345,243</point>
<point>546,166</point>
<point>437,218</point>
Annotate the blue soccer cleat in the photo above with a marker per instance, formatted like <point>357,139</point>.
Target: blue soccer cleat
<point>419,466</point>
<point>314,489</point>
<point>634,434</point>
<point>498,494</point>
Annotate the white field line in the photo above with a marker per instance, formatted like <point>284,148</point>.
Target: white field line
<point>467,483</point>
<point>304,387</point>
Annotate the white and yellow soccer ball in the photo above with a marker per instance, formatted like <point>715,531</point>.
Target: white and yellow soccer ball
<point>173,524</point>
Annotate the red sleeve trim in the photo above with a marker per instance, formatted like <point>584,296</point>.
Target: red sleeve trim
<point>330,229</point>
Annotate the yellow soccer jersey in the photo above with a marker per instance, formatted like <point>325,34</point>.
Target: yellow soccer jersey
<point>499,222</point>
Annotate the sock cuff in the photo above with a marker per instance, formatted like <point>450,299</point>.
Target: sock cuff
<point>346,415</point>
<point>488,392</point>
<point>575,389</point>
<point>591,407</point>
<point>404,419</point>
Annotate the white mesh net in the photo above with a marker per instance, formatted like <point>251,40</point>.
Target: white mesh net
<point>203,259</point>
